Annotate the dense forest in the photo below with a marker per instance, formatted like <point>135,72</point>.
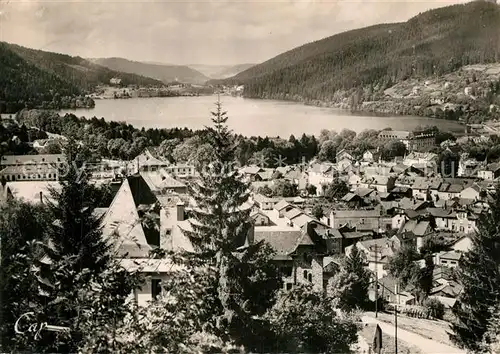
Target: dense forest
<point>34,78</point>
<point>165,73</point>
<point>367,61</point>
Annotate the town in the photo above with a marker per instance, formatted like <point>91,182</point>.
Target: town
<point>250,177</point>
<point>311,213</point>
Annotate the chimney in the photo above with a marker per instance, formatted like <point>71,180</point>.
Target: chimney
<point>180,211</point>
<point>41,197</point>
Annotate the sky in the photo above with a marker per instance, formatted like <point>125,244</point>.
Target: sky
<point>191,32</point>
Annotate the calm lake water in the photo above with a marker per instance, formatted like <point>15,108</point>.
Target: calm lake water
<point>248,117</point>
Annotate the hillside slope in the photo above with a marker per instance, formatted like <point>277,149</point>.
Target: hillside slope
<point>367,61</point>
<point>78,71</point>
<point>23,83</point>
<point>44,79</point>
<point>221,71</point>
<point>163,72</point>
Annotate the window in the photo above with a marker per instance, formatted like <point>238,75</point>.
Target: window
<point>310,277</point>
<point>444,262</point>
<point>305,274</point>
<point>155,288</point>
<point>289,286</point>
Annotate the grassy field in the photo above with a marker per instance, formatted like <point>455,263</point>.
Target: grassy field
<point>435,330</point>
<point>388,341</point>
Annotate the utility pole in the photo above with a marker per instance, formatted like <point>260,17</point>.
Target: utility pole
<point>376,283</point>
<point>396,329</point>
<point>396,321</point>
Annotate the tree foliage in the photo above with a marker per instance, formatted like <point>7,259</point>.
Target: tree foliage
<point>336,189</point>
<point>220,225</point>
<point>22,228</point>
<point>359,65</point>
<point>402,265</point>
<point>82,286</point>
<point>303,320</point>
<point>349,287</point>
<point>479,274</point>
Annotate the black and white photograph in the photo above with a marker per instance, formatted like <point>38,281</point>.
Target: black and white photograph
<point>250,176</point>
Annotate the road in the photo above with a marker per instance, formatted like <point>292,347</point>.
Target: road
<point>427,346</point>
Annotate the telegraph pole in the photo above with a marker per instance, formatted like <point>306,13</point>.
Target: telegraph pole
<point>396,321</point>
<point>396,329</point>
<point>376,283</point>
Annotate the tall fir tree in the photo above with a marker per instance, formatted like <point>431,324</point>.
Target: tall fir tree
<point>82,286</point>
<point>350,286</point>
<point>479,275</point>
<point>22,228</point>
<point>221,223</point>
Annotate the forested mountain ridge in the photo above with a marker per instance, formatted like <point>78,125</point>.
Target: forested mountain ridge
<point>36,78</point>
<point>77,70</point>
<point>367,61</point>
<point>163,72</point>
<point>221,71</point>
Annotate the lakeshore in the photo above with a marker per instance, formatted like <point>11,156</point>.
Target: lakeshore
<point>255,117</point>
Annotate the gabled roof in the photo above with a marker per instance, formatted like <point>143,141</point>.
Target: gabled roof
<point>147,159</point>
<point>400,168</point>
<point>283,242</point>
<point>266,174</point>
<point>364,192</point>
<point>350,197</point>
<point>251,170</point>
<point>302,220</point>
<point>493,167</point>
<point>293,213</point>
<point>281,205</point>
<point>122,225</point>
<point>439,212</point>
<point>401,189</point>
<point>452,255</point>
<point>418,228</point>
<point>140,190</point>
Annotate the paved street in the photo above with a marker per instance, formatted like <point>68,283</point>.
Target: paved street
<point>425,345</point>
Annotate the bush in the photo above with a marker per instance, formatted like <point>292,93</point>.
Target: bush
<point>435,308</point>
<point>303,320</point>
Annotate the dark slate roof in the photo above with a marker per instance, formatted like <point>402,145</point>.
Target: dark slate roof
<point>141,192</point>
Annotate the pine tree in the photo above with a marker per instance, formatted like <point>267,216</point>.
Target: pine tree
<point>221,225</point>
<point>479,275</point>
<point>350,286</point>
<point>81,285</point>
<point>22,227</point>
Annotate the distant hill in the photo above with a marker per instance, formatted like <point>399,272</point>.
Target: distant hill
<point>76,70</point>
<point>32,77</point>
<point>163,72</point>
<point>220,71</point>
<point>367,61</point>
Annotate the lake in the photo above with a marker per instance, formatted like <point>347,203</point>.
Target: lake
<point>249,117</point>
